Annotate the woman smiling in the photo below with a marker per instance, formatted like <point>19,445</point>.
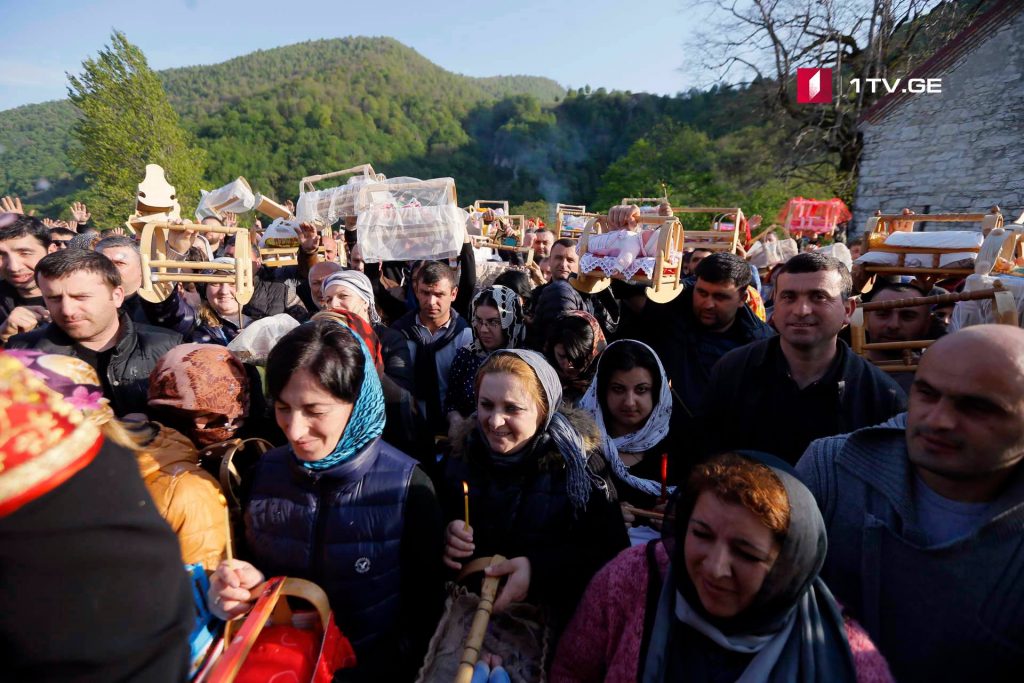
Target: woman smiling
<point>732,594</point>
<point>536,493</point>
<point>339,506</point>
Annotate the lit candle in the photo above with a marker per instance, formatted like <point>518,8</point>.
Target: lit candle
<point>465,491</point>
<point>664,477</point>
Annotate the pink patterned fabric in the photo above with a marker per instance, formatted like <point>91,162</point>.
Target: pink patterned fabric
<point>602,642</point>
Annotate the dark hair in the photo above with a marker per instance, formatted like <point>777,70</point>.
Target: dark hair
<point>432,272</point>
<point>623,357</point>
<point>517,281</point>
<point>62,263</point>
<point>540,230</point>
<point>115,241</point>
<point>61,232</point>
<point>328,351</point>
<point>813,262</point>
<point>576,337</point>
<point>894,286</point>
<point>26,226</point>
<point>564,242</point>
<point>723,266</point>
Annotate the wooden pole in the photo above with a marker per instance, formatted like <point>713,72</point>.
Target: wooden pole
<point>477,630</point>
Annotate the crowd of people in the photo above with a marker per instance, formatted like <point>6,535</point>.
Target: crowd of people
<point>715,488</point>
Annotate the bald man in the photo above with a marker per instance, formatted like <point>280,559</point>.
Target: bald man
<point>310,291</point>
<point>925,514</point>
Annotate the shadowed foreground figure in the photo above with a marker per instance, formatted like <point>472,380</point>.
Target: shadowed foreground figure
<point>926,514</point>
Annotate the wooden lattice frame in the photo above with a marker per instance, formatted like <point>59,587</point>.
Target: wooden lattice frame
<point>160,272</point>
<point>484,204</point>
<point>666,283</point>
<point>713,240</point>
<point>1003,307</point>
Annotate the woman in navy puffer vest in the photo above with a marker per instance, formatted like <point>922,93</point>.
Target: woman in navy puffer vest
<point>339,506</point>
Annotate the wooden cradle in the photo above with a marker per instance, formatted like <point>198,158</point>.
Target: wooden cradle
<point>159,273</point>
<point>665,282</point>
<point>879,227</point>
<point>562,211</point>
<point>715,239</point>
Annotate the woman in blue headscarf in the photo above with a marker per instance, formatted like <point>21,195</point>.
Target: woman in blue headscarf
<point>339,506</point>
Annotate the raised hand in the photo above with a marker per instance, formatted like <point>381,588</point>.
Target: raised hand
<point>120,232</point>
<point>50,223</point>
<point>309,240</point>
<point>80,213</point>
<point>229,219</point>
<point>12,205</point>
<point>23,319</point>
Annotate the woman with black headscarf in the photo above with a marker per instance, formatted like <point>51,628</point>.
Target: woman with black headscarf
<point>731,594</point>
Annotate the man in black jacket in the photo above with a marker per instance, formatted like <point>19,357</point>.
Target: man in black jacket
<point>706,321</point>
<point>558,297</point>
<point>83,294</point>
<point>780,394</point>
<point>24,240</point>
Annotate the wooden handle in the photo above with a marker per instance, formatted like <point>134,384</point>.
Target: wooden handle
<point>475,639</point>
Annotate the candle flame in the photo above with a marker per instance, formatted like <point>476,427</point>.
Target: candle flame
<point>465,488</point>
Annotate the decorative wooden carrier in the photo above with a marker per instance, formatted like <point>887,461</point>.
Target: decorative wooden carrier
<point>278,257</point>
<point>715,239</point>
<point>563,210</point>
<point>666,282</point>
<point>484,204</point>
<point>880,226</point>
<point>518,223</point>
<point>1003,308</point>
<point>324,207</point>
<point>159,273</point>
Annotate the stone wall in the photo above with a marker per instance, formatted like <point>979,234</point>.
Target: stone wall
<point>958,151</point>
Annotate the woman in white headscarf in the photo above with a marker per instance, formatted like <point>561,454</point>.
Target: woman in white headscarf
<point>631,402</point>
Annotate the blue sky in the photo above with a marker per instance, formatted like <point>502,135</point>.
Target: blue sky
<point>627,45</point>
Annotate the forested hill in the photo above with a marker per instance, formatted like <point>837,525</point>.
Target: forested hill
<point>277,115</point>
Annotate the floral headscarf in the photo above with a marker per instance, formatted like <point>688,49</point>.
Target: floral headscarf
<point>207,386</point>
<point>72,378</point>
<point>595,327</point>
<point>510,313</point>
<point>360,327</point>
<point>43,440</point>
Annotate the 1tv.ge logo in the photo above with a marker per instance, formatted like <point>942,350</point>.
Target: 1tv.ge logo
<point>814,86</point>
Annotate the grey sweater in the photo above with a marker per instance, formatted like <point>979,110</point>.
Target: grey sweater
<point>948,612</point>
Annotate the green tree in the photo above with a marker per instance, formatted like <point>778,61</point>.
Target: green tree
<point>538,207</point>
<point>126,123</point>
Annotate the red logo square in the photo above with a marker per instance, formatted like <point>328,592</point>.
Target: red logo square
<point>814,86</point>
